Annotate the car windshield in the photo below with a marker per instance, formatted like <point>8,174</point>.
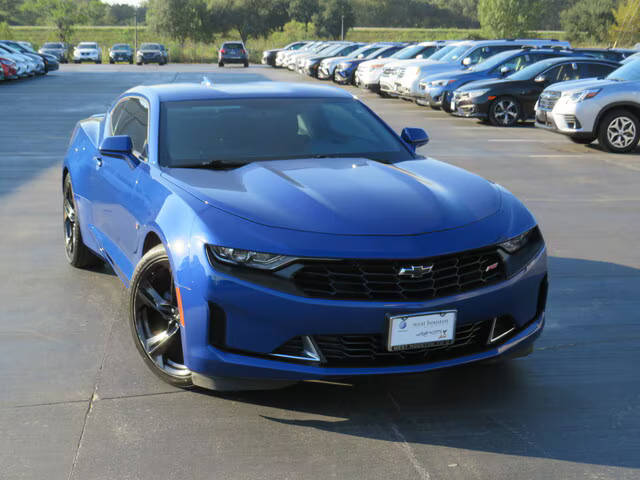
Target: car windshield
<point>532,71</point>
<point>197,133</point>
<point>628,72</point>
<point>494,61</point>
<point>121,47</point>
<point>455,53</point>
<point>150,46</point>
<point>364,51</point>
<point>413,50</point>
<point>376,52</point>
<point>442,52</point>
<point>52,45</point>
<point>87,45</point>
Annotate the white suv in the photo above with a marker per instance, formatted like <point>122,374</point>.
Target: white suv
<point>605,109</point>
<point>87,52</point>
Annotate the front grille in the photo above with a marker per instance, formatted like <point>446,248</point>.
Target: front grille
<point>400,72</point>
<point>388,71</point>
<point>370,350</point>
<point>381,279</point>
<point>548,100</point>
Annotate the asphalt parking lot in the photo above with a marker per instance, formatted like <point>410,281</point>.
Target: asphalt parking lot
<point>77,402</point>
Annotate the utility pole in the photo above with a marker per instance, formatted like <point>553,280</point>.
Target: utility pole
<point>342,27</point>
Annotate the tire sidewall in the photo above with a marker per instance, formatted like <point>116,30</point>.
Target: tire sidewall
<point>603,139</point>
<point>154,256</point>
<point>492,108</point>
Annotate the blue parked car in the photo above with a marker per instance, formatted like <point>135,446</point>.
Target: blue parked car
<point>437,90</point>
<point>270,233</point>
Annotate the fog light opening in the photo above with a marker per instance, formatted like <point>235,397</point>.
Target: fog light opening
<point>500,328</point>
<point>305,348</point>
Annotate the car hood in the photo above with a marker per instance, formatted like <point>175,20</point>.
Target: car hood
<point>150,51</point>
<point>346,196</point>
<point>377,61</point>
<point>576,85</point>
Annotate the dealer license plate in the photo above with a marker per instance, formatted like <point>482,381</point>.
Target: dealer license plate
<point>408,332</point>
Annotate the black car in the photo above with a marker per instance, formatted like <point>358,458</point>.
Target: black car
<point>506,101</point>
<point>269,56</point>
<point>233,52</point>
<point>57,49</point>
<point>121,52</point>
<point>152,53</point>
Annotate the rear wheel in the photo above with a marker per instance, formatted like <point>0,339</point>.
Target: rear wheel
<point>155,318</point>
<point>504,112</point>
<point>619,131</point>
<point>220,64</point>
<point>76,251</point>
<point>246,64</point>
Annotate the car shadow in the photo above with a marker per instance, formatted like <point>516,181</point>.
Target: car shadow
<point>576,398</point>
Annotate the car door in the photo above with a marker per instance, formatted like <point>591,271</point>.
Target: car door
<point>535,88</point>
<point>118,202</point>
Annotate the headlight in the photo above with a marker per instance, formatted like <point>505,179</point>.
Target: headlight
<point>344,66</point>
<point>376,66</point>
<point>519,251</point>
<point>477,93</point>
<point>516,243</point>
<point>441,83</point>
<point>248,258</point>
<point>583,95</point>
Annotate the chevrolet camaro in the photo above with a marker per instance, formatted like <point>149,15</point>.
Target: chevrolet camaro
<point>270,233</point>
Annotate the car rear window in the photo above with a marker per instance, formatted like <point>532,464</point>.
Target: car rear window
<point>236,46</point>
<point>194,133</point>
<point>52,45</point>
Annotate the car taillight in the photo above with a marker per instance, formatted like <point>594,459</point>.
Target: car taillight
<point>243,52</point>
<point>222,50</point>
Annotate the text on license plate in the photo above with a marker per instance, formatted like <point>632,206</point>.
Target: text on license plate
<point>413,331</point>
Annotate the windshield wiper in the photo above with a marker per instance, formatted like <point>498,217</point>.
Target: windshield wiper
<point>215,165</point>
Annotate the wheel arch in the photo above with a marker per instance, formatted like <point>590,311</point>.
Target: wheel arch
<point>631,106</point>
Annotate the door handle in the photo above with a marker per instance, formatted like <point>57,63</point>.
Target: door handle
<point>98,161</point>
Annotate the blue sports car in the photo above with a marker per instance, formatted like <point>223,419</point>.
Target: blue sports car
<point>270,233</point>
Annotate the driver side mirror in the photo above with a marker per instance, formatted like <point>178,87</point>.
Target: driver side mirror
<point>504,70</point>
<point>540,79</point>
<point>360,56</point>
<point>420,57</point>
<point>117,146</point>
<point>467,61</point>
<point>415,137</point>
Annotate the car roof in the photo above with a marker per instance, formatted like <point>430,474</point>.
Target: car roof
<point>192,91</point>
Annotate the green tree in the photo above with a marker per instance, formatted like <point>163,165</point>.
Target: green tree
<point>178,19</point>
<point>625,28</point>
<point>328,21</point>
<point>62,14</point>
<point>588,21</point>
<point>507,18</point>
<point>5,31</point>
<point>303,11</point>
<point>250,18</point>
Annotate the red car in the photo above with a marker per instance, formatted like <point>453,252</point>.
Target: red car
<point>8,69</point>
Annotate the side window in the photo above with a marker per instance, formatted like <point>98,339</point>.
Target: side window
<point>388,52</point>
<point>595,70</point>
<point>131,117</point>
<point>552,74</point>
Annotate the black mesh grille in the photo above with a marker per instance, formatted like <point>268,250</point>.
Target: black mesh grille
<point>381,279</point>
<point>370,350</point>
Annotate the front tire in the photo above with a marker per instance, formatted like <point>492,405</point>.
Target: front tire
<point>504,112</point>
<point>619,131</point>
<point>78,255</point>
<point>155,318</point>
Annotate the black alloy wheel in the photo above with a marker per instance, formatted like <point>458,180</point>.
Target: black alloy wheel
<point>76,251</point>
<point>155,318</point>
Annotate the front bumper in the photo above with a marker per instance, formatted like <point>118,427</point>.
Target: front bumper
<point>344,77</point>
<point>86,58</point>
<point>250,321</point>
<point>121,58</point>
<point>572,119</point>
<point>477,107</point>
<point>369,79</point>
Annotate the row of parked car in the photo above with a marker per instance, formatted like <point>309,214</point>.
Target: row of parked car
<point>120,52</point>
<point>20,60</point>
<point>584,93</point>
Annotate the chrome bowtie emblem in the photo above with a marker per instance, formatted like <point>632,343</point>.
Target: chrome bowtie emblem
<point>415,271</point>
